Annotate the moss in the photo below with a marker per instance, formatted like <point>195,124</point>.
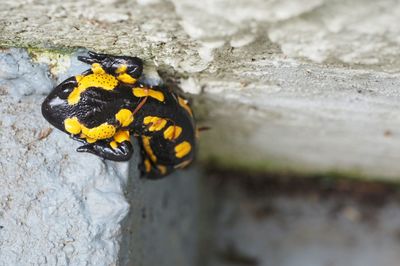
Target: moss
<point>58,61</point>
<point>274,167</point>
<point>37,46</point>
<point>52,52</point>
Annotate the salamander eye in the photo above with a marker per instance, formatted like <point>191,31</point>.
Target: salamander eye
<point>65,91</point>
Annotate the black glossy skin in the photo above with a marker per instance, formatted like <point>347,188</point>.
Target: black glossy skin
<point>97,106</point>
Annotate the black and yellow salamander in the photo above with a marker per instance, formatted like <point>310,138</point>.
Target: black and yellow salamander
<point>106,105</point>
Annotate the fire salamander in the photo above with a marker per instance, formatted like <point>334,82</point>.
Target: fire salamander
<point>106,105</point>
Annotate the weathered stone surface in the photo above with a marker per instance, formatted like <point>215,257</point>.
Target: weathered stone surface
<point>302,86</point>
<point>58,207</point>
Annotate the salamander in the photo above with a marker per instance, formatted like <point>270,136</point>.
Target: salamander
<point>107,105</point>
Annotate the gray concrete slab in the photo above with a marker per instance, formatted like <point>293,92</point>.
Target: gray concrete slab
<point>302,86</point>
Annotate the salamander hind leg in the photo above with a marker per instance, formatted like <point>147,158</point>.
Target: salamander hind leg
<point>151,170</point>
<point>161,155</point>
<point>150,167</point>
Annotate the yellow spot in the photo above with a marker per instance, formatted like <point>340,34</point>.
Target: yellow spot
<point>72,125</point>
<point>113,144</point>
<point>156,123</point>
<point>78,78</point>
<point>126,78</point>
<point>140,92</point>
<point>147,165</point>
<point>182,149</point>
<point>162,168</point>
<point>183,103</point>
<point>90,140</point>
<point>121,136</point>
<point>148,149</point>
<point>124,117</point>
<point>172,132</point>
<point>183,164</point>
<point>103,81</point>
<point>104,131</point>
<point>97,69</point>
<point>121,69</point>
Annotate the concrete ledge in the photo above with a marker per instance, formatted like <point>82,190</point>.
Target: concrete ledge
<point>307,87</point>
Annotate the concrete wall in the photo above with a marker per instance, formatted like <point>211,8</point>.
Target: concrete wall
<point>308,87</point>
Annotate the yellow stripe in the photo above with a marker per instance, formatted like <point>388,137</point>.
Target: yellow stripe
<point>97,69</point>
<point>172,132</point>
<point>140,92</point>
<point>124,117</point>
<point>90,140</point>
<point>121,136</point>
<point>113,144</point>
<point>182,149</point>
<point>104,131</point>
<point>104,81</point>
<point>121,69</point>
<point>147,148</point>
<point>183,103</point>
<point>147,165</point>
<point>126,78</point>
<point>156,123</point>
<point>72,125</point>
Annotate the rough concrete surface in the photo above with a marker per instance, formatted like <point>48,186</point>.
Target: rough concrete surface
<point>294,85</point>
<point>58,207</point>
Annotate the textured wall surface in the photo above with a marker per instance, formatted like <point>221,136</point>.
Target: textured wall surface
<point>302,86</point>
<point>58,207</point>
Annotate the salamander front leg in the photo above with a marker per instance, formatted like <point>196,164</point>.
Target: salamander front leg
<point>117,148</point>
<point>108,150</point>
